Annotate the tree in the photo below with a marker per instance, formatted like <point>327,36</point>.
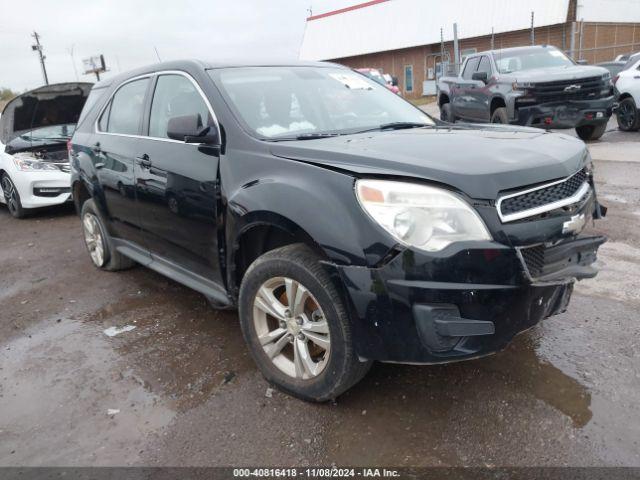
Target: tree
<point>6,94</point>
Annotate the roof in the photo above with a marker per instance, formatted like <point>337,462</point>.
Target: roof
<point>190,64</point>
<point>382,25</point>
<point>625,11</point>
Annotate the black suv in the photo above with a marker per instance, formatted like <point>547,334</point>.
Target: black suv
<point>345,224</point>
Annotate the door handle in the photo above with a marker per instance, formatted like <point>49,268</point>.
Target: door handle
<point>144,161</point>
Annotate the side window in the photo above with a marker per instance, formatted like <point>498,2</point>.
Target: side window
<point>175,96</point>
<point>104,119</point>
<point>470,67</point>
<point>408,78</point>
<point>485,66</point>
<point>127,106</point>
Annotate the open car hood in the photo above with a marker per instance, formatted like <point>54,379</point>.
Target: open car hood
<point>58,104</point>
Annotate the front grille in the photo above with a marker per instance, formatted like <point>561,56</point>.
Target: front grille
<point>534,259</point>
<point>543,196</point>
<point>589,88</point>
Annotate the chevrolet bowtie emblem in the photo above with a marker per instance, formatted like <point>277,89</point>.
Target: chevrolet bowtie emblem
<point>575,225</point>
<point>572,88</point>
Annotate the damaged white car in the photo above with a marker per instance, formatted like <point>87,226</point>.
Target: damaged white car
<point>34,130</point>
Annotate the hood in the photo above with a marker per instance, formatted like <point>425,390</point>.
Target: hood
<point>553,74</point>
<point>479,160</point>
<point>50,105</point>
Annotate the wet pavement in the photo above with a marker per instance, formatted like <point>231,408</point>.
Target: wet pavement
<point>181,389</point>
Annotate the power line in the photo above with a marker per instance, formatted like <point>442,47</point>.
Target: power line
<point>38,48</point>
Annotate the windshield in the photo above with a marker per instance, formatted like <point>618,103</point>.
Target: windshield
<point>286,102</point>
<point>374,75</point>
<point>509,62</point>
<point>54,132</point>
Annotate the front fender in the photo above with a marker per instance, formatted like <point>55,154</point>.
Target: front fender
<point>318,201</point>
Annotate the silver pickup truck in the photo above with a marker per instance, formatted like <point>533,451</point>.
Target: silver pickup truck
<point>535,86</point>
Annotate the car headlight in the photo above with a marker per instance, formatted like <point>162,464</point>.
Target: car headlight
<point>420,216</point>
<point>32,165</point>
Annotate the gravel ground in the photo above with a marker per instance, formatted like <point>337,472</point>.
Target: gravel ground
<point>181,389</point>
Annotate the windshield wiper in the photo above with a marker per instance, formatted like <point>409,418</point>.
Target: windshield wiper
<point>304,136</point>
<point>396,126</point>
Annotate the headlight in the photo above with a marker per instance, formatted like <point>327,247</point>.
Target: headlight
<point>32,165</point>
<point>424,217</point>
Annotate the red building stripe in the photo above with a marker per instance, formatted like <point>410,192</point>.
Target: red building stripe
<point>346,9</point>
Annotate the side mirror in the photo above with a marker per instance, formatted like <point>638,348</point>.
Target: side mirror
<point>394,81</point>
<point>582,62</point>
<point>189,129</point>
<point>480,76</point>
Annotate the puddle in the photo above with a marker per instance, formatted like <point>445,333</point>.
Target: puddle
<point>181,348</point>
<point>65,381</point>
<point>442,415</point>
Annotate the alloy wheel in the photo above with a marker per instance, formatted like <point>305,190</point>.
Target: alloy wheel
<point>93,238</point>
<point>627,115</point>
<point>292,328</point>
<point>10,194</point>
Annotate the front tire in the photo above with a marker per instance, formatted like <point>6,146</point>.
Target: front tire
<point>589,133</point>
<point>446,113</point>
<point>500,116</point>
<point>303,346</point>
<point>98,242</point>
<point>12,197</point>
<point>628,116</point>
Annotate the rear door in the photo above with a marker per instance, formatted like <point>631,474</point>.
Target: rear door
<point>463,97</point>
<point>176,181</point>
<point>116,143</point>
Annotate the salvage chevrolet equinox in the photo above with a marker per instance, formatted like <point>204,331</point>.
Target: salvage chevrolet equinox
<point>345,224</point>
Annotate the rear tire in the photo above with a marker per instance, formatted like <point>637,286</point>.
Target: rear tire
<point>12,197</point>
<point>500,116</point>
<point>628,116</point>
<point>446,113</point>
<point>286,350</point>
<point>591,132</point>
<point>98,242</point>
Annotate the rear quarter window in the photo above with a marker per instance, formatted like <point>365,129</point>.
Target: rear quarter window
<point>95,95</point>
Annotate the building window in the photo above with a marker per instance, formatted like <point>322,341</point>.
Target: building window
<point>465,52</point>
<point>408,78</point>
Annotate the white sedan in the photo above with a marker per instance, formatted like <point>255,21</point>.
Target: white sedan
<point>34,130</point>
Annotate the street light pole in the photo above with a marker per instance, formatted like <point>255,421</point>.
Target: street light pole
<point>38,48</point>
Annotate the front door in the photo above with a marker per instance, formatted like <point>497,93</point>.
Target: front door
<point>463,93</point>
<point>176,182</point>
<point>116,144</point>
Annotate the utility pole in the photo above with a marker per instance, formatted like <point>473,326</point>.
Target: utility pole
<point>456,49</point>
<point>493,39</point>
<point>73,62</point>
<point>38,48</point>
<point>533,32</point>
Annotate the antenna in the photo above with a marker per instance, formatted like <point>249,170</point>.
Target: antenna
<point>157,54</point>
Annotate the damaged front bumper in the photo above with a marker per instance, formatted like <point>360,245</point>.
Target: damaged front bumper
<point>470,299</point>
<point>563,114</point>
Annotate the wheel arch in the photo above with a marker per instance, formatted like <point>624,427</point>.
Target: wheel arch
<point>443,98</point>
<point>496,102</point>
<point>262,232</point>
<point>80,194</point>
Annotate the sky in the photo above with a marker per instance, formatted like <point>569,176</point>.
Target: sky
<point>128,32</point>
